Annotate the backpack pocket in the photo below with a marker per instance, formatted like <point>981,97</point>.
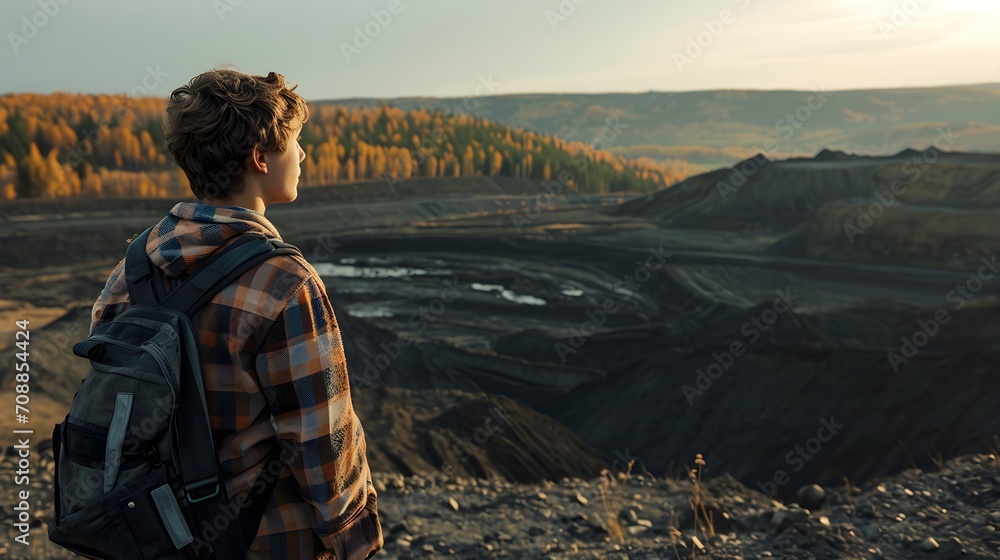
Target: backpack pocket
<point>123,524</point>
<point>123,408</point>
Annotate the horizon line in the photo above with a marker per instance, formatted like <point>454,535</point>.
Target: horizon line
<point>536,93</point>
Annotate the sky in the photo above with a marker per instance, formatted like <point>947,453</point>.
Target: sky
<point>459,48</point>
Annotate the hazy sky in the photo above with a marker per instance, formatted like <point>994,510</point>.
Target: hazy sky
<point>337,49</point>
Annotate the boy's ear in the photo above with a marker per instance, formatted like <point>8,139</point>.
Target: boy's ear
<point>256,161</point>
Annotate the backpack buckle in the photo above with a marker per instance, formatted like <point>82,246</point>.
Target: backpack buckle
<point>151,455</point>
<point>201,484</point>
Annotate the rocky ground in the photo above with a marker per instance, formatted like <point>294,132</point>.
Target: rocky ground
<point>953,513</point>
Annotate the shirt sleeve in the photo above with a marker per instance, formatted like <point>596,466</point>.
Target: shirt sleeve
<point>302,371</point>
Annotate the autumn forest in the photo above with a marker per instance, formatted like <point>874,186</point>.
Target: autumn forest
<point>80,145</point>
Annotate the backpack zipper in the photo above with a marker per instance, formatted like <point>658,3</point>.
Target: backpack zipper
<point>153,350</point>
<point>157,353</point>
<point>161,359</point>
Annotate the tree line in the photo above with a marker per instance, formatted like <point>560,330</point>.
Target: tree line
<point>84,145</point>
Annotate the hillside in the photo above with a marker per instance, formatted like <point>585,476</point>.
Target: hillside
<point>932,208</point>
<point>711,129</point>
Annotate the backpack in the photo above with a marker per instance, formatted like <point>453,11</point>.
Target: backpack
<point>137,475</point>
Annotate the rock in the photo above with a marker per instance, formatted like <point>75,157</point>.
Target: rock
<point>644,523</point>
<point>551,547</point>
<point>581,530</point>
<point>453,504</point>
<point>636,529</point>
<point>628,515</point>
<point>929,544</point>
<point>696,544</point>
<point>784,518</point>
<point>811,497</point>
<point>718,539</point>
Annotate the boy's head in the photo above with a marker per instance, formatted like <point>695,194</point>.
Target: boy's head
<point>221,120</point>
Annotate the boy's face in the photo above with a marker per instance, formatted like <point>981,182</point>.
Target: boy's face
<point>280,183</point>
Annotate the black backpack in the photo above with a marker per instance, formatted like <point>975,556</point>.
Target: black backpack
<point>136,475</point>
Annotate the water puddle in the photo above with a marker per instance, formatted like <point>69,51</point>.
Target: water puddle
<point>509,295</point>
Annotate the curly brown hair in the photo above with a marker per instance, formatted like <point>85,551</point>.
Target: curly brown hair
<point>213,122</point>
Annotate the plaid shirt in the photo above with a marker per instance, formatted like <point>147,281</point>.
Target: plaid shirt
<point>270,342</point>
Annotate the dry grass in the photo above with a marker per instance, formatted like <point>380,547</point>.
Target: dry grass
<point>994,449</point>
<point>850,488</point>
<point>699,503</point>
<point>612,502</point>
<point>675,535</point>
<point>938,460</point>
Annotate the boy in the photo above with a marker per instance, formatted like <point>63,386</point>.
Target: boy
<point>270,346</point>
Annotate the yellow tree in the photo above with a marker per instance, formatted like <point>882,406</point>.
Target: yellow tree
<point>496,163</point>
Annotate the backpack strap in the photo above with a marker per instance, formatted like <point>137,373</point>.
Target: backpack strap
<point>222,269</point>
<point>139,273</point>
<point>145,281</point>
